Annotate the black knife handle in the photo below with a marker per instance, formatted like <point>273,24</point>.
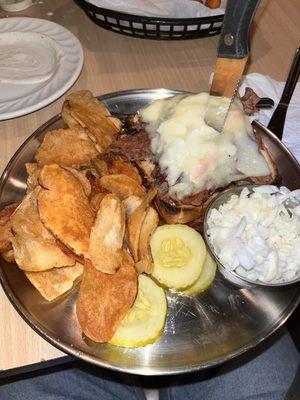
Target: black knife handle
<point>233,41</point>
<point>292,79</point>
<point>276,123</point>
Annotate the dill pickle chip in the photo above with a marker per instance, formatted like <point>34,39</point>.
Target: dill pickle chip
<point>144,322</point>
<point>206,277</point>
<point>178,253</point>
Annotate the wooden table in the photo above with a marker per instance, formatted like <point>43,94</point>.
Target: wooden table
<point>114,62</point>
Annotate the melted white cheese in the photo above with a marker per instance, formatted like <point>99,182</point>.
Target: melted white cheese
<point>195,156</point>
<point>27,57</point>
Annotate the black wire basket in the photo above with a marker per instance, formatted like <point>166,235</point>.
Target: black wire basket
<point>152,27</point>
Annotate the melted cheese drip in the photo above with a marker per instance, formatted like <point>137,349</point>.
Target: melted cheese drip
<point>195,156</point>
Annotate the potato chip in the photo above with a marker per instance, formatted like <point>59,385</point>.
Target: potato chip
<point>5,226</point>
<point>33,172</point>
<point>64,208</point>
<point>146,168</point>
<point>67,117</point>
<point>107,235</point>
<point>96,201</point>
<point>102,133</point>
<point>69,252</point>
<point>9,256</point>
<point>96,186</point>
<point>55,282</point>
<point>85,99</point>
<point>82,178</point>
<point>93,115</point>
<point>100,166</point>
<point>135,222</point>
<point>104,299</point>
<point>66,147</point>
<point>35,249</point>
<point>145,265</point>
<point>31,168</point>
<point>117,167</point>
<point>149,225</point>
<point>122,186</point>
<point>130,204</point>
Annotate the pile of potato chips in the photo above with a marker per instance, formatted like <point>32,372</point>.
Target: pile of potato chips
<point>86,213</point>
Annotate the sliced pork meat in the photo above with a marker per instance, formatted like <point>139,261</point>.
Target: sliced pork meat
<point>249,101</point>
<point>134,148</point>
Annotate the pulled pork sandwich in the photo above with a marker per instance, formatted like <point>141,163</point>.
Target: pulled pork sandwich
<point>187,160</point>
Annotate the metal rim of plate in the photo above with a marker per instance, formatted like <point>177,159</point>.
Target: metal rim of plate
<point>152,27</point>
<point>201,332</point>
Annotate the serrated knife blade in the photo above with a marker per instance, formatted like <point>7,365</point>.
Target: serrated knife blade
<point>232,56</point>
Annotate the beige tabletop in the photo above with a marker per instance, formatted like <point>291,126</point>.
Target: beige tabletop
<point>114,62</point>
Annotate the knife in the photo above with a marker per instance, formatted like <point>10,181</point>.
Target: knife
<point>232,56</point>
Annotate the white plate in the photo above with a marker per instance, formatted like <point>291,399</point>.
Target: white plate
<point>21,99</point>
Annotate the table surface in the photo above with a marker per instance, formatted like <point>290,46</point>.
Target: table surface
<point>115,62</point>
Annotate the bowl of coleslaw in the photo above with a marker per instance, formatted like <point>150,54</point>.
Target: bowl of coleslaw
<point>253,232</point>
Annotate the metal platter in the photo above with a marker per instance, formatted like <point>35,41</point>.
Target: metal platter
<point>200,332</point>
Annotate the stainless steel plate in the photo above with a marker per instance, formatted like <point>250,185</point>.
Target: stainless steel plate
<point>200,332</point>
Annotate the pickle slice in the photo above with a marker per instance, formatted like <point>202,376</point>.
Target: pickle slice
<point>205,279</point>
<point>178,253</point>
<point>144,323</point>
